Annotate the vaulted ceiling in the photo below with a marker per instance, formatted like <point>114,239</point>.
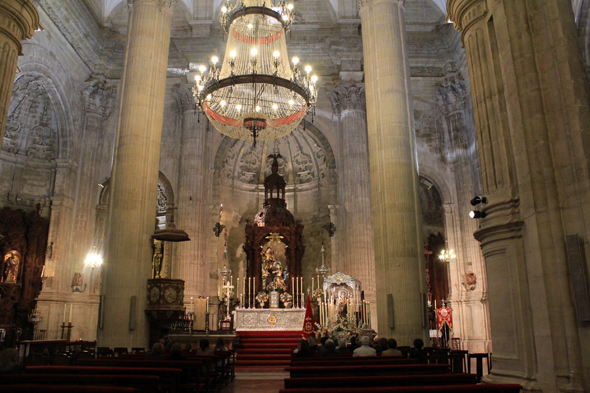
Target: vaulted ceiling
<point>206,9</point>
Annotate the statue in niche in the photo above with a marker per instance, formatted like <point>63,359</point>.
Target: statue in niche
<point>157,259</point>
<point>11,267</point>
<point>78,284</point>
<point>274,277</point>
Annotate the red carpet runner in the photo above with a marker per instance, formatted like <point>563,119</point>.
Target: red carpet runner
<point>266,348</point>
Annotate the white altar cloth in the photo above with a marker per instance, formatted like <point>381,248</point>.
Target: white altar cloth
<point>271,319</point>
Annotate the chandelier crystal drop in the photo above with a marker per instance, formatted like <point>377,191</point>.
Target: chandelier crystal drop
<point>255,93</point>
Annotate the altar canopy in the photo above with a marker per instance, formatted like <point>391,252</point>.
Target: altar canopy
<point>273,244</point>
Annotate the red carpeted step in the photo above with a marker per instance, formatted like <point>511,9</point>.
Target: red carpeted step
<point>265,363</point>
<point>266,349</point>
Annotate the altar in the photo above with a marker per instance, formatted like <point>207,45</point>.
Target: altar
<point>270,319</point>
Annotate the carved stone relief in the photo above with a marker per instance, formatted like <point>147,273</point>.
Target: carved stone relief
<point>249,166</point>
<point>99,97</point>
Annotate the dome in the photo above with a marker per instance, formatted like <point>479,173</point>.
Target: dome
<point>274,215</point>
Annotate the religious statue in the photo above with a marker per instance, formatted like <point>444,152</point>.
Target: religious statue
<point>157,259</point>
<point>11,266</point>
<point>273,275</point>
<point>78,284</point>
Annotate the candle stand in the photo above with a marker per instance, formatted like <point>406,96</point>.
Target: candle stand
<point>69,326</point>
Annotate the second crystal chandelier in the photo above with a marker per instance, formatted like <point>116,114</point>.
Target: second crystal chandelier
<point>256,94</point>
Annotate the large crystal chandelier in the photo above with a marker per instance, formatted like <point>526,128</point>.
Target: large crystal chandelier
<point>256,94</point>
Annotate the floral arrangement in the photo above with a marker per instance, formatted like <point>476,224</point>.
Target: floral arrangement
<point>321,331</point>
<point>318,293</point>
<point>286,297</point>
<point>262,297</point>
<point>276,286</point>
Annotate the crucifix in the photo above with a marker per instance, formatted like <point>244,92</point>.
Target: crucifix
<point>228,287</point>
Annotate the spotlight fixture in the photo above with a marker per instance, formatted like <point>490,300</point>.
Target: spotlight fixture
<point>479,199</point>
<point>477,214</point>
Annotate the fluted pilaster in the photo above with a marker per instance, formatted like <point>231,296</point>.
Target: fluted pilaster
<point>348,100</point>
<point>132,205</point>
<point>399,261</point>
<point>193,203</point>
<point>527,87</point>
<point>18,21</point>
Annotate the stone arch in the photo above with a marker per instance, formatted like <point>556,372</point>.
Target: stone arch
<point>163,183</point>
<point>36,125</point>
<point>40,62</point>
<point>438,181</point>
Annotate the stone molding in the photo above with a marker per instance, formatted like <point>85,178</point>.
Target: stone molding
<point>18,19</point>
<point>466,13</point>
<point>347,97</point>
<point>99,97</point>
<point>362,3</point>
<point>184,98</point>
<point>165,5</point>
<point>452,96</point>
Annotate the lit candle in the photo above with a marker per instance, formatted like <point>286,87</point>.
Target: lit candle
<point>312,283</point>
<point>71,306</point>
<point>207,306</point>
<point>293,285</point>
<point>64,321</point>
<point>192,305</point>
<point>319,282</point>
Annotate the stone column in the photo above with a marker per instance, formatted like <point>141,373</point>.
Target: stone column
<point>193,204</point>
<point>348,100</point>
<point>132,204</point>
<point>532,122</point>
<point>399,253</point>
<point>18,21</point>
<point>99,99</point>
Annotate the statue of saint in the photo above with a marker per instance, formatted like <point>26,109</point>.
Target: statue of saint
<point>11,266</point>
<point>157,260</point>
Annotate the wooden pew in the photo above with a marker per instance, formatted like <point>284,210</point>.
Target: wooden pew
<point>336,361</point>
<point>65,389</point>
<point>486,388</point>
<point>169,377</point>
<point>142,383</point>
<point>368,370</point>
<point>380,381</point>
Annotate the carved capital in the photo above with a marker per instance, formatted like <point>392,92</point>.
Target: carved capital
<point>20,19</point>
<point>361,3</point>
<point>465,13</point>
<point>99,97</point>
<point>347,97</point>
<point>185,101</point>
<point>166,5</point>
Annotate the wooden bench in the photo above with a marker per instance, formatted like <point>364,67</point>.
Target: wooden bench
<point>368,370</point>
<point>325,361</point>
<point>142,383</point>
<point>169,377</point>
<point>65,389</point>
<point>486,388</point>
<point>384,381</point>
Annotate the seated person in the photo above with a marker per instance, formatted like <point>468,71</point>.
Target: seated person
<point>381,345</point>
<point>204,348</point>
<point>220,347</point>
<point>418,351</point>
<point>313,345</point>
<point>156,353</point>
<point>176,352</point>
<point>353,343</point>
<point>321,349</point>
<point>9,362</point>
<point>330,349</point>
<point>392,348</point>
<point>303,350</point>
<point>365,349</point>
<point>343,345</point>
